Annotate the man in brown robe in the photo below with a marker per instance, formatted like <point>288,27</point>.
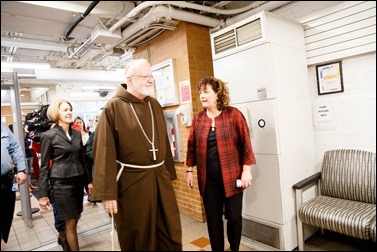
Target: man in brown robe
<point>131,141</point>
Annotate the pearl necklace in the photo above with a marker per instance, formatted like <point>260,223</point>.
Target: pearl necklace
<point>142,129</point>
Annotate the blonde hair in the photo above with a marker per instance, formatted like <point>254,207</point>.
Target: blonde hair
<point>53,109</point>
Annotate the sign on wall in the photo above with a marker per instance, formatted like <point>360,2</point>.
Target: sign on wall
<point>166,90</point>
<point>185,91</point>
<point>330,78</point>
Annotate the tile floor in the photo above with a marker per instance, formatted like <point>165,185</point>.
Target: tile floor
<point>95,227</point>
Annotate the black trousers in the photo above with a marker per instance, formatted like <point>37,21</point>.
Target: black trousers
<point>8,201</point>
<point>215,203</point>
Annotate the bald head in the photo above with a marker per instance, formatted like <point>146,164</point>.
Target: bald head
<point>133,65</point>
<point>140,82</point>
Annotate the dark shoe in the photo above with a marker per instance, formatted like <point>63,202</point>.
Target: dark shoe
<point>62,240</point>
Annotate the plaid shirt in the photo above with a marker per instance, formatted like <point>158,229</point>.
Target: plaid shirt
<point>233,146</point>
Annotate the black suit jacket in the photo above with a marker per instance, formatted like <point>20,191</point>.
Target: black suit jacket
<point>67,155</point>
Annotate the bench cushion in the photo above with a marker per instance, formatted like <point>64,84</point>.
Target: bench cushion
<point>349,174</point>
<point>347,217</point>
<point>373,229</point>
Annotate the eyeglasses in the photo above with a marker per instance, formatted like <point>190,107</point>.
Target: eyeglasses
<point>145,77</point>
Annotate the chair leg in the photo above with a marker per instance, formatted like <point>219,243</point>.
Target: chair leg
<point>300,235</point>
<point>300,228</point>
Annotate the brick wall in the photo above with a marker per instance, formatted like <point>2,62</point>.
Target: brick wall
<point>189,45</point>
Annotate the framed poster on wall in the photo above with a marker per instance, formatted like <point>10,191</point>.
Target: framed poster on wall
<point>330,78</point>
<point>166,90</point>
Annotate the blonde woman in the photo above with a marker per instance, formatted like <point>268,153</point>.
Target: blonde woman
<point>63,183</point>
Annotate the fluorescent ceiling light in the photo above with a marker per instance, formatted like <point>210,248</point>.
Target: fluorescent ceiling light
<point>98,87</point>
<point>33,44</point>
<point>30,65</point>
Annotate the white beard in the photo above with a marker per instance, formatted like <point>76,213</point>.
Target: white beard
<point>147,91</point>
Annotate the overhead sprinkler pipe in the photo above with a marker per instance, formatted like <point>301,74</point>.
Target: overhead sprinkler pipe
<point>79,19</point>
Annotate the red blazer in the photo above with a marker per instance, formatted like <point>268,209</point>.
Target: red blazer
<point>233,145</point>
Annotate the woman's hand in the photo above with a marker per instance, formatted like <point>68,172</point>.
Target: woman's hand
<point>189,178</point>
<point>246,177</point>
<point>44,203</point>
<point>90,188</point>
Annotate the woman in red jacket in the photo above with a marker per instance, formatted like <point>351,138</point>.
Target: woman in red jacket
<point>219,146</point>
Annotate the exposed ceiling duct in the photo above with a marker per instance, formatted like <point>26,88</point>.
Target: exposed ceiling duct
<point>37,29</point>
<point>181,4</point>
<point>266,6</point>
<point>103,40</point>
<point>159,12</point>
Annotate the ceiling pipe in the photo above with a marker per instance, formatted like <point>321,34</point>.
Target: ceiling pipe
<point>126,57</point>
<point>144,36</point>
<point>267,6</point>
<point>169,13</point>
<point>82,49</point>
<point>120,11</point>
<point>86,58</point>
<point>135,11</point>
<point>79,19</point>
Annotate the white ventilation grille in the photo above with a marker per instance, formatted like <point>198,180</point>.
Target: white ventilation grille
<point>249,32</point>
<point>260,232</point>
<point>238,36</point>
<point>224,42</point>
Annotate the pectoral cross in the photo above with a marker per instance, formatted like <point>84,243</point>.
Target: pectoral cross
<point>154,151</point>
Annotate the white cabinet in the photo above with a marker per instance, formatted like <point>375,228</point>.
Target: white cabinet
<point>265,176</point>
<point>261,118</point>
<point>268,82</point>
<point>254,73</point>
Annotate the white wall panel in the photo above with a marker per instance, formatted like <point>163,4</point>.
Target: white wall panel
<point>344,30</point>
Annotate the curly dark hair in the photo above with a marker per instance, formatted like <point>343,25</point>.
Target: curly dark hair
<point>220,88</point>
